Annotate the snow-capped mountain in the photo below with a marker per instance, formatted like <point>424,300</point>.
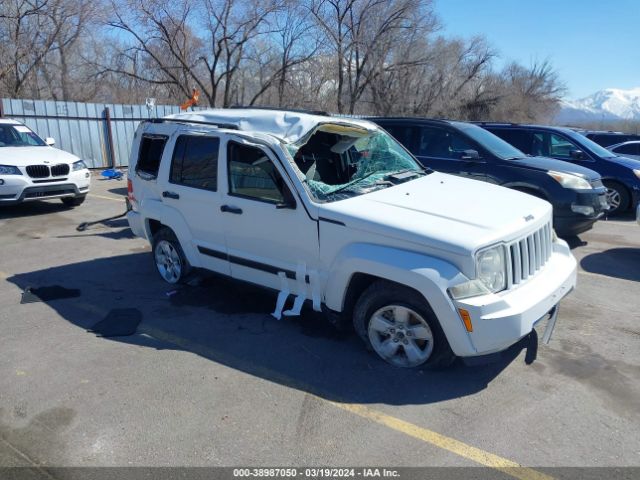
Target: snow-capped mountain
<point>607,104</point>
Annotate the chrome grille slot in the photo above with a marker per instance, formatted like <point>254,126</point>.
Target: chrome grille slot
<point>38,171</point>
<point>60,170</point>
<point>528,255</point>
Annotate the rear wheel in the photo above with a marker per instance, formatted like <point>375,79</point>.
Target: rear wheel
<point>169,257</point>
<point>399,325</point>
<point>617,196</point>
<point>74,201</point>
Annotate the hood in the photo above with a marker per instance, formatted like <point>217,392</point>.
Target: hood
<point>23,156</point>
<point>546,164</point>
<point>626,162</point>
<point>444,212</point>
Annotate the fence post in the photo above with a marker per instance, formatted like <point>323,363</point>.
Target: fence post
<point>1,109</point>
<point>110,147</point>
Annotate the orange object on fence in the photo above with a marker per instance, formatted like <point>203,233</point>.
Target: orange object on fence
<point>192,101</point>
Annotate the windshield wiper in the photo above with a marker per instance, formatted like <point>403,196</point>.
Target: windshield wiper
<point>353,182</point>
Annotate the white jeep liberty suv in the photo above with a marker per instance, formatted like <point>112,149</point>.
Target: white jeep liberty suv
<point>335,212</point>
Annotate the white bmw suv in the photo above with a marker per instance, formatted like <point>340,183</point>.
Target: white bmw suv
<point>31,169</point>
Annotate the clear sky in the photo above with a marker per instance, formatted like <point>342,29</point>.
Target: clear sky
<point>592,44</point>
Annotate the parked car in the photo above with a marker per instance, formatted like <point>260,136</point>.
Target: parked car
<point>608,138</point>
<point>576,193</point>
<point>626,149</point>
<point>333,211</point>
<point>31,169</point>
<point>620,175</point>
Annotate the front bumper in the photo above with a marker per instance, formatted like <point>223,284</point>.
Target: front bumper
<point>587,207</point>
<point>20,188</point>
<point>500,320</point>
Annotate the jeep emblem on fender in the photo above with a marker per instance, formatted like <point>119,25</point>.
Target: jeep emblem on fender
<point>528,218</point>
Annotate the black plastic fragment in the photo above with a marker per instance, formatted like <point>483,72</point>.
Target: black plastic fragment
<point>119,322</point>
<point>46,294</point>
<point>532,348</point>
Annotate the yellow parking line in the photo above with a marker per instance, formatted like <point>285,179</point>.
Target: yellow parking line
<point>425,435</point>
<point>441,441</point>
<point>115,199</point>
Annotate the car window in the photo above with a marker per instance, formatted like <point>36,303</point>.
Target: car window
<point>150,154</point>
<point>441,143</point>
<point>195,162</point>
<point>629,149</point>
<point>253,175</point>
<point>404,134</point>
<point>521,139</point>
<point>560,147</point>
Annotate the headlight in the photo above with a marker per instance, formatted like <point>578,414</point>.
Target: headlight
<point>79,165</point>
<point>636,173</point>
<point>491,268</point>
<point>569,180</point>
<point>9,170</point>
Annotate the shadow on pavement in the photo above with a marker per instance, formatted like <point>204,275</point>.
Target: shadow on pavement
<point>230,323</point>
<point>30,209</point>
<point>621,263</point>
<point>119,191</point>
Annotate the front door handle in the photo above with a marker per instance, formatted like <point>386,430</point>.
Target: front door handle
<point>228,209</point>
<point>173,195</point>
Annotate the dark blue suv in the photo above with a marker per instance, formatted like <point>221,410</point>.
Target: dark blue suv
<point>620,175</point>
<point>576,193</point>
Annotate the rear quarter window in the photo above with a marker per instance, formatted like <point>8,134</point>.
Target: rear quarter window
<point>150,154</point>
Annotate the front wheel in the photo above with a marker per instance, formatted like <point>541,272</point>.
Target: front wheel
<point>170,260</point>
<point>399,325</point>
<point>617,197</point>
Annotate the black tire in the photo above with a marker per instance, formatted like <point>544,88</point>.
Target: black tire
<point>623,195</point>
<point>381,294</point>
<point>163,235</point>
<point>74,201</point>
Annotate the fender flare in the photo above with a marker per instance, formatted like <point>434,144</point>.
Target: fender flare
<point>428,275</point>
<point>172,218</point>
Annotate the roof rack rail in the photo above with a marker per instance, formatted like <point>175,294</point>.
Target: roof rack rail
<point>280,109</point>
<point>228,126</point>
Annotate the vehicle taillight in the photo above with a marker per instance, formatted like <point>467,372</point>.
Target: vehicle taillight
<point>130,190</point>
<point>132,204</point>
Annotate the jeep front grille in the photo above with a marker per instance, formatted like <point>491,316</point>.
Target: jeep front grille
<point>60,170</point>
<point>38,171</point>
<point>529,254</point>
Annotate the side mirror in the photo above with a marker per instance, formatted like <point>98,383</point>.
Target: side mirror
<point>577,155</point>
<point>50,141</point>
<point>288,200</point>
<point>470,155</point>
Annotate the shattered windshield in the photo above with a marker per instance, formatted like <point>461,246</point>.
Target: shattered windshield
<point>337,162</point>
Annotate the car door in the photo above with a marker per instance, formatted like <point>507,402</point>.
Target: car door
<point>191,189</point>
<point>446,150</point>
<point>268,229</point>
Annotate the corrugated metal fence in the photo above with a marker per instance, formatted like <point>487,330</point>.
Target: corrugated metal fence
<point>98,133</point>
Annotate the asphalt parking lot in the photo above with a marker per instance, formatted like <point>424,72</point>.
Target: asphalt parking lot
<point>211,379</point>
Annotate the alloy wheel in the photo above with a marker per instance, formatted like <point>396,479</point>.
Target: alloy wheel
<point>401,336</point>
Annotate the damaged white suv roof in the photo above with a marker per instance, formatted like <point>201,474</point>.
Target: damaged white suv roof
<point>334,212</point>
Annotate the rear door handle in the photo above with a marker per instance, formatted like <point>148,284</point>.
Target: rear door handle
<point>173,195</point>
<point>228,209</point>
